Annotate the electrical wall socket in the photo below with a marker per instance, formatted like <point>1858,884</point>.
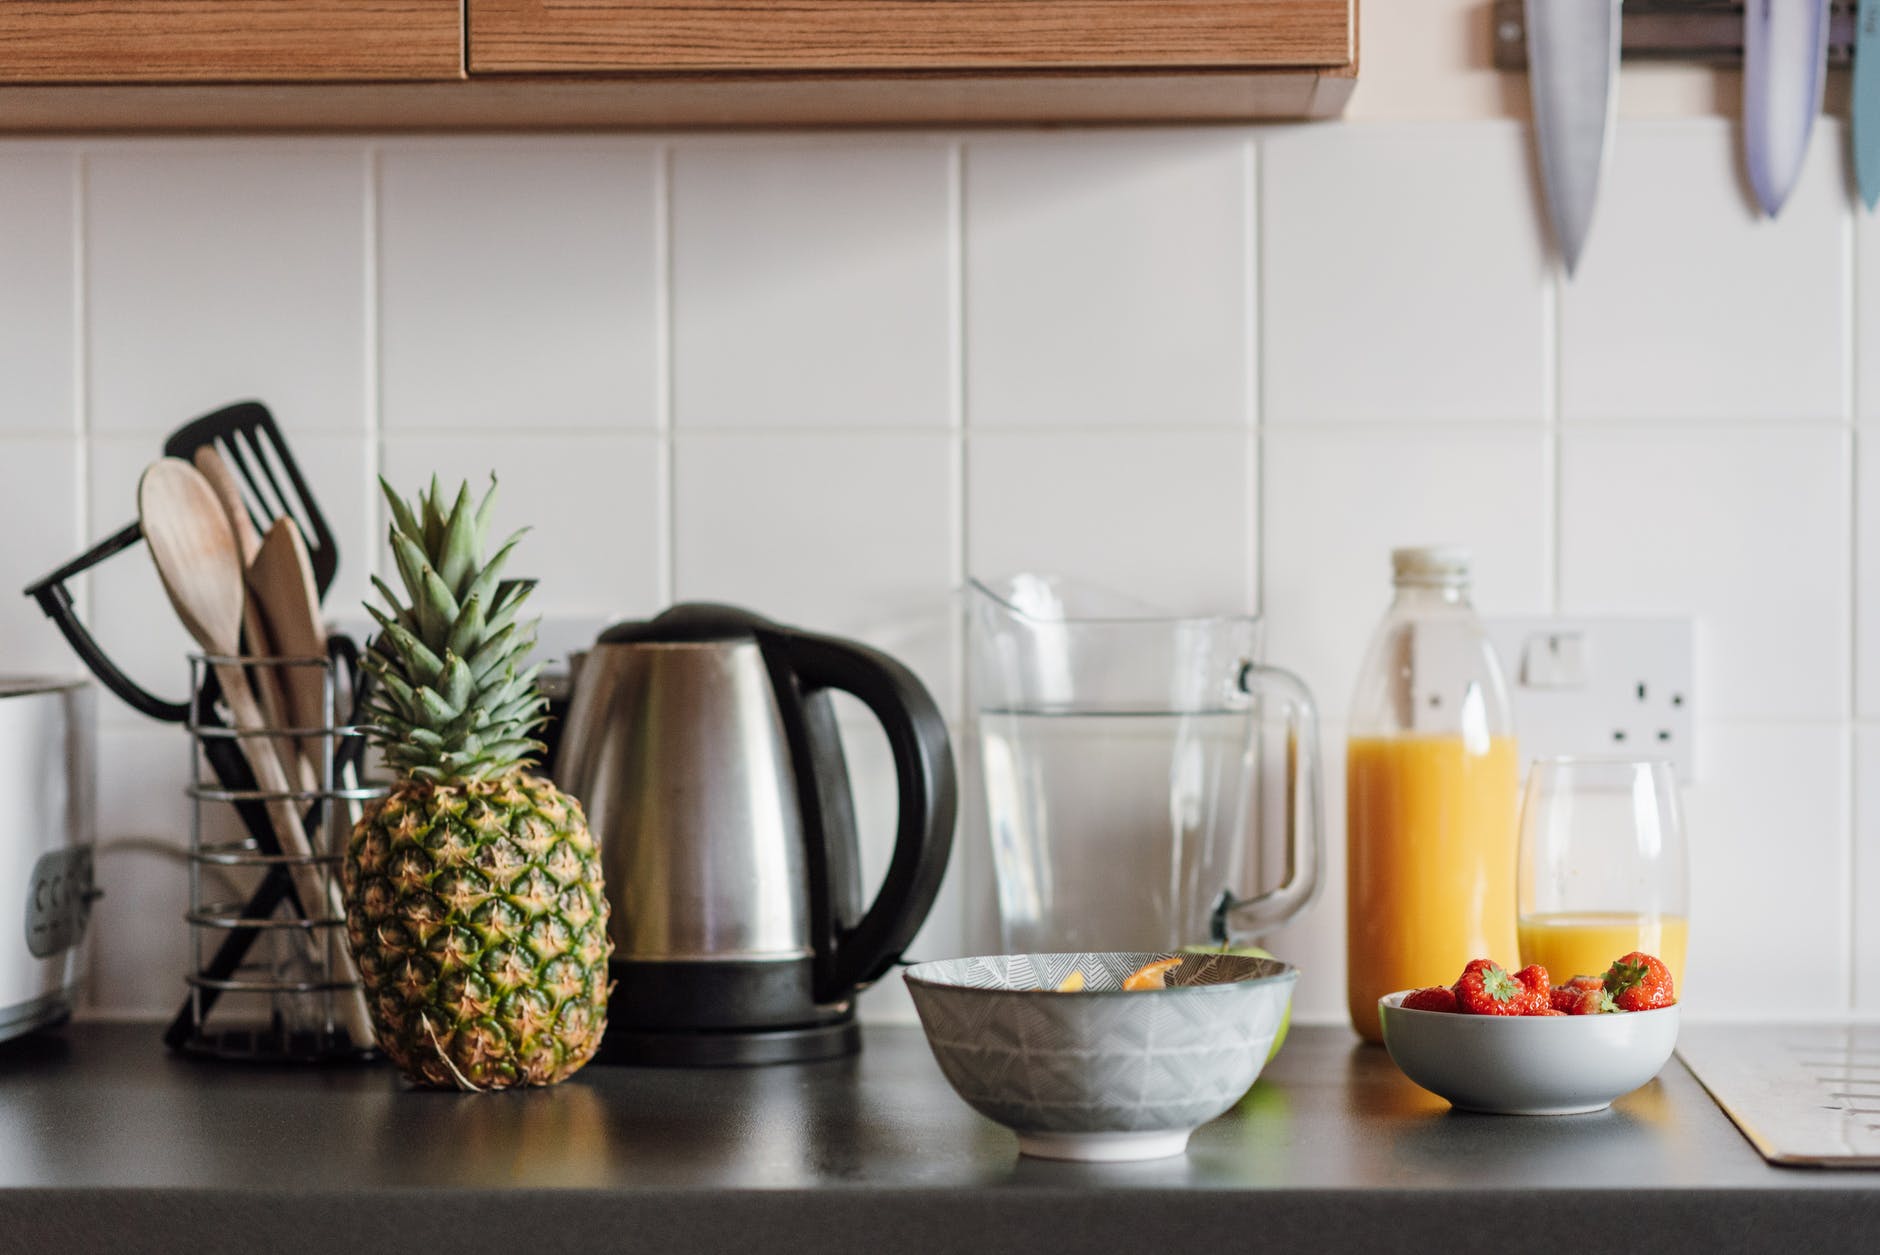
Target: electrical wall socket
<point>1601,686</point>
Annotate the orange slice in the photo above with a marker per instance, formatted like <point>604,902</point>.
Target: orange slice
<point>1073,983</point>
<point>1151,975</point>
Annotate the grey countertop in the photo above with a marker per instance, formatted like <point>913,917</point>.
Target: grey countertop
<point>107,1143</point>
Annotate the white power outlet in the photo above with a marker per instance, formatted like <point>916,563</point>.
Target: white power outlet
<point>1602,686</point>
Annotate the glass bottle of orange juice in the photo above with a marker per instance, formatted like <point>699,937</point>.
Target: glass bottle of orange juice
<point>1431,775</point>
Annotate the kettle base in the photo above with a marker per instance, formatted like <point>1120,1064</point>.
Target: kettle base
<point>729,1048</point>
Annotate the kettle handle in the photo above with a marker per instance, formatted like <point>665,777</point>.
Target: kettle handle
<point>848,958</point>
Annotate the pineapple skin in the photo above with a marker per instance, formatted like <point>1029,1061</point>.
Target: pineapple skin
<point>477,916</point>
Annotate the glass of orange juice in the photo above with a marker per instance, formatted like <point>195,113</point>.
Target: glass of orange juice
<point>1601,868</point>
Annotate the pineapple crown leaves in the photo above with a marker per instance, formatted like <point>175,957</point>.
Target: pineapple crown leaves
<point>454,700</point>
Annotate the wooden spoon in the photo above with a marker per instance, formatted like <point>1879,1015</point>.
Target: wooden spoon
<point>267,680</point>
<point>199,561</point>
<point>281,585</point>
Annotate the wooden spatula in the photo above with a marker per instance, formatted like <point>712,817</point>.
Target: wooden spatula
<point>267,680</point>
<point>280,583</point>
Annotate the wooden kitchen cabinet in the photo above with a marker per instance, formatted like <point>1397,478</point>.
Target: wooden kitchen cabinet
<point>523,36</point>
<point>87,65</point>
<point>894,61</point>
<point>191,41</point>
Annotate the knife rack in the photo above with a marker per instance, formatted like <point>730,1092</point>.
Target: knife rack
<point>1705,31</point>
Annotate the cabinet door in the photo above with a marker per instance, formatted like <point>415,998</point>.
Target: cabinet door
<point>520,36</point>
<point>156,41</point>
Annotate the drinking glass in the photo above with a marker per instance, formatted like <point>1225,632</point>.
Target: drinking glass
<point>1602,866</point>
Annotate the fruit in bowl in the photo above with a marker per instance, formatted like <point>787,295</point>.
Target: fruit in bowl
<point>1255,952</point>
<point>1099,1072</point>
<point>1515,1044</point>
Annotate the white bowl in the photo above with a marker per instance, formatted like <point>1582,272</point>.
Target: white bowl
<point>1542,1065</point>
<point>1100,1074</point>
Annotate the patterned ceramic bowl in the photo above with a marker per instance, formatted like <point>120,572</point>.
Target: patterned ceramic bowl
<point>1100,1074</point>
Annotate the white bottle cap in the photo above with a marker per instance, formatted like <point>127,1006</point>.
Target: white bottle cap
<point>1430,564</point>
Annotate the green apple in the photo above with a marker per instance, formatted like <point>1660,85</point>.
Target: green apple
<point>1254,952</point>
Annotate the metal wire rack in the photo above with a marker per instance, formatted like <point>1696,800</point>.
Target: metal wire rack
<point>271,979</point>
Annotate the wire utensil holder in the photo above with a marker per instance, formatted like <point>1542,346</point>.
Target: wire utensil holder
<point>271,980</point>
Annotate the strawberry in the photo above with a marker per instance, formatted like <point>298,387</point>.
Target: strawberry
<point>1436,998</point>
<point>1553,1011</point>
<point>1539,988</point>
<point>1485,988</point>
<point>1566,998</point>
<point>1639,982</point>
<point>1592,1002</point>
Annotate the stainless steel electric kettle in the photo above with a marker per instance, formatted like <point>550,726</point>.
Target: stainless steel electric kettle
<point>704,747</point>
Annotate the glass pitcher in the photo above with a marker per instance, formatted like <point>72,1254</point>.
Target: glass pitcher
<point>1133,774</point>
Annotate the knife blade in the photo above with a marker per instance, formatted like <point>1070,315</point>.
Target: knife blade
<point>1785,71</point>
<point>1573,69</point>
<point>1867,101</point>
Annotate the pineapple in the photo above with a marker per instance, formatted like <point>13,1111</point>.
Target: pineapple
<point>474,903</point>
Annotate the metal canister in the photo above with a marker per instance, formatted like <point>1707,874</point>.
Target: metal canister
<point>47,800</point>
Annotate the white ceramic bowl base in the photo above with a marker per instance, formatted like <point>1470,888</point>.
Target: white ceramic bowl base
<point>1528,1065</point>
<point>1103,1147</point>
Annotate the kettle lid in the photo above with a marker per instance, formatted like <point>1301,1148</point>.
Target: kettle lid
<point>695,622</point>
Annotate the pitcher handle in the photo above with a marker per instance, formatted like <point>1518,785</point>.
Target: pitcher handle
<point>1305,805</point>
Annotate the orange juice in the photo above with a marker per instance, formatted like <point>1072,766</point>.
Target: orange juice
<point>1584,943</point>
<point>1430,832</point>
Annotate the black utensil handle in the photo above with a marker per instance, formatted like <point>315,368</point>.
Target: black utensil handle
<point>56,600</point>
<point>927,788</point>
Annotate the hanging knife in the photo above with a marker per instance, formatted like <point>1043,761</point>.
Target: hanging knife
<point>1573,71</point>
<point>1867,101</point>
<point>1785,70</point>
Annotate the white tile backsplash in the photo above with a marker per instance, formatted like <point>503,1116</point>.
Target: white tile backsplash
<point>39,516</point>
<point>38,255</point>
<point>567,233</point>
<point>1107,279</point>
<point>342,473</point>
<point>1865,886</point>
<point>1167,518</point>
<point>810,283</point>
<point>829,375</point>
<point>845,533</point>
<point>1748,526</point>
<point>139,940</point>
<point>218,271</point>
<point>1402,276</point>
<point>1867,575</point>
<point>592,509</point>
<point>1688,305</point>
<point>1867,316</point>
<point>1767,824</point>
<point>1339,498</point>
